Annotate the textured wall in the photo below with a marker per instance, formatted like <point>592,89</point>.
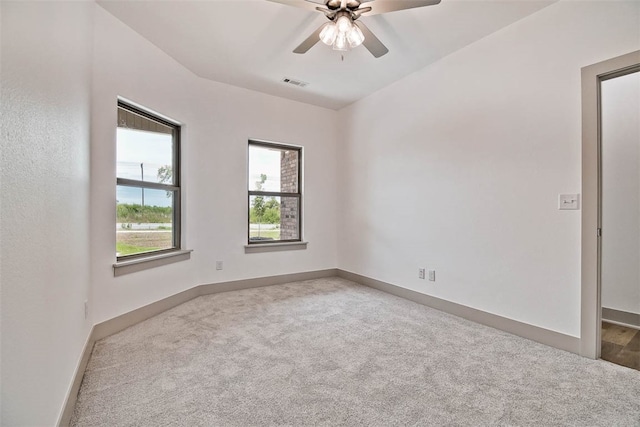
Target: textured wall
<point>458,167</point>
<point>44,226</point>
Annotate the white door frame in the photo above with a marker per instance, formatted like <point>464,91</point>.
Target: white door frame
<point>592,76</point>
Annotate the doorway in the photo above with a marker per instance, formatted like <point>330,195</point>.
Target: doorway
<point>611,210</point>
<point>620,218</point>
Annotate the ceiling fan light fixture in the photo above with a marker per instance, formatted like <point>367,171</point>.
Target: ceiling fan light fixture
<point>329,33</point>
<point>341,42</point>
<point>342,34</point>
<point>355,36</point>
<point>344,24</point>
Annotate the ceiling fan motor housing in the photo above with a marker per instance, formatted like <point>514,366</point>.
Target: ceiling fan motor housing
<point>337,4</point>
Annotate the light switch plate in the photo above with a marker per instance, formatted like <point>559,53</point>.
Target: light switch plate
<point>568,202</point>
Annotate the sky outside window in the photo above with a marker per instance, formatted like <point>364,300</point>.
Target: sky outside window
<point>152,150</point>
<point>265,161</point>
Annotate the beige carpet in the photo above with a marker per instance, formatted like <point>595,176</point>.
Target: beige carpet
<point>331,352</point>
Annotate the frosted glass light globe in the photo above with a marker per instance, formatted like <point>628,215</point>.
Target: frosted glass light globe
<point>344,24</point>
<point>329,33</point>
<point>341,42</point>
<point>355,36</point>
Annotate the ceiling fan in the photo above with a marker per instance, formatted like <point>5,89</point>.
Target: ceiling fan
<point>344,30</point>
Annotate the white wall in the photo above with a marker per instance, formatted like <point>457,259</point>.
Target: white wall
<point>621,193</point>
<point>44,226</point>
<point>218,121</point>
<point>458,167</point>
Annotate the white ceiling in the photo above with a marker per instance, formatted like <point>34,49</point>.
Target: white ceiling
<point>249,43</point>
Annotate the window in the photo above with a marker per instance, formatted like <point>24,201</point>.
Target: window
<point>275,194</point>
<point>147,184</point>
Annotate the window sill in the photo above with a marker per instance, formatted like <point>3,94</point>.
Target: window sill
<point>138,264</point>
<point>274,247</point>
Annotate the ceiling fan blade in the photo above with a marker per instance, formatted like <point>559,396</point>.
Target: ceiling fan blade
<point>384,6</point>
<point>371,42</point>
<point>299,3</point>
<point>309,42</point>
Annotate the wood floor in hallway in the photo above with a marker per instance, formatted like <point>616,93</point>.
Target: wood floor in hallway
<point>621,345</point>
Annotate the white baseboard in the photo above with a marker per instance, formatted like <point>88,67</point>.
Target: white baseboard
<point>534,333</point>
<point>70,402</point>
<point>622,318</point>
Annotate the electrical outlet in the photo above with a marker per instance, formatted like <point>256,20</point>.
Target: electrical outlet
<point>86,310</point>
<point>432,275</point>
<point>218,265</point>
<point>421,273</point>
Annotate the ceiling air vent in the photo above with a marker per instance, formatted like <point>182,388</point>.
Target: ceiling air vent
<point>295,82</point>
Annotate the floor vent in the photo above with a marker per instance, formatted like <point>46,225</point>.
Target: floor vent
<point>295,82</point>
